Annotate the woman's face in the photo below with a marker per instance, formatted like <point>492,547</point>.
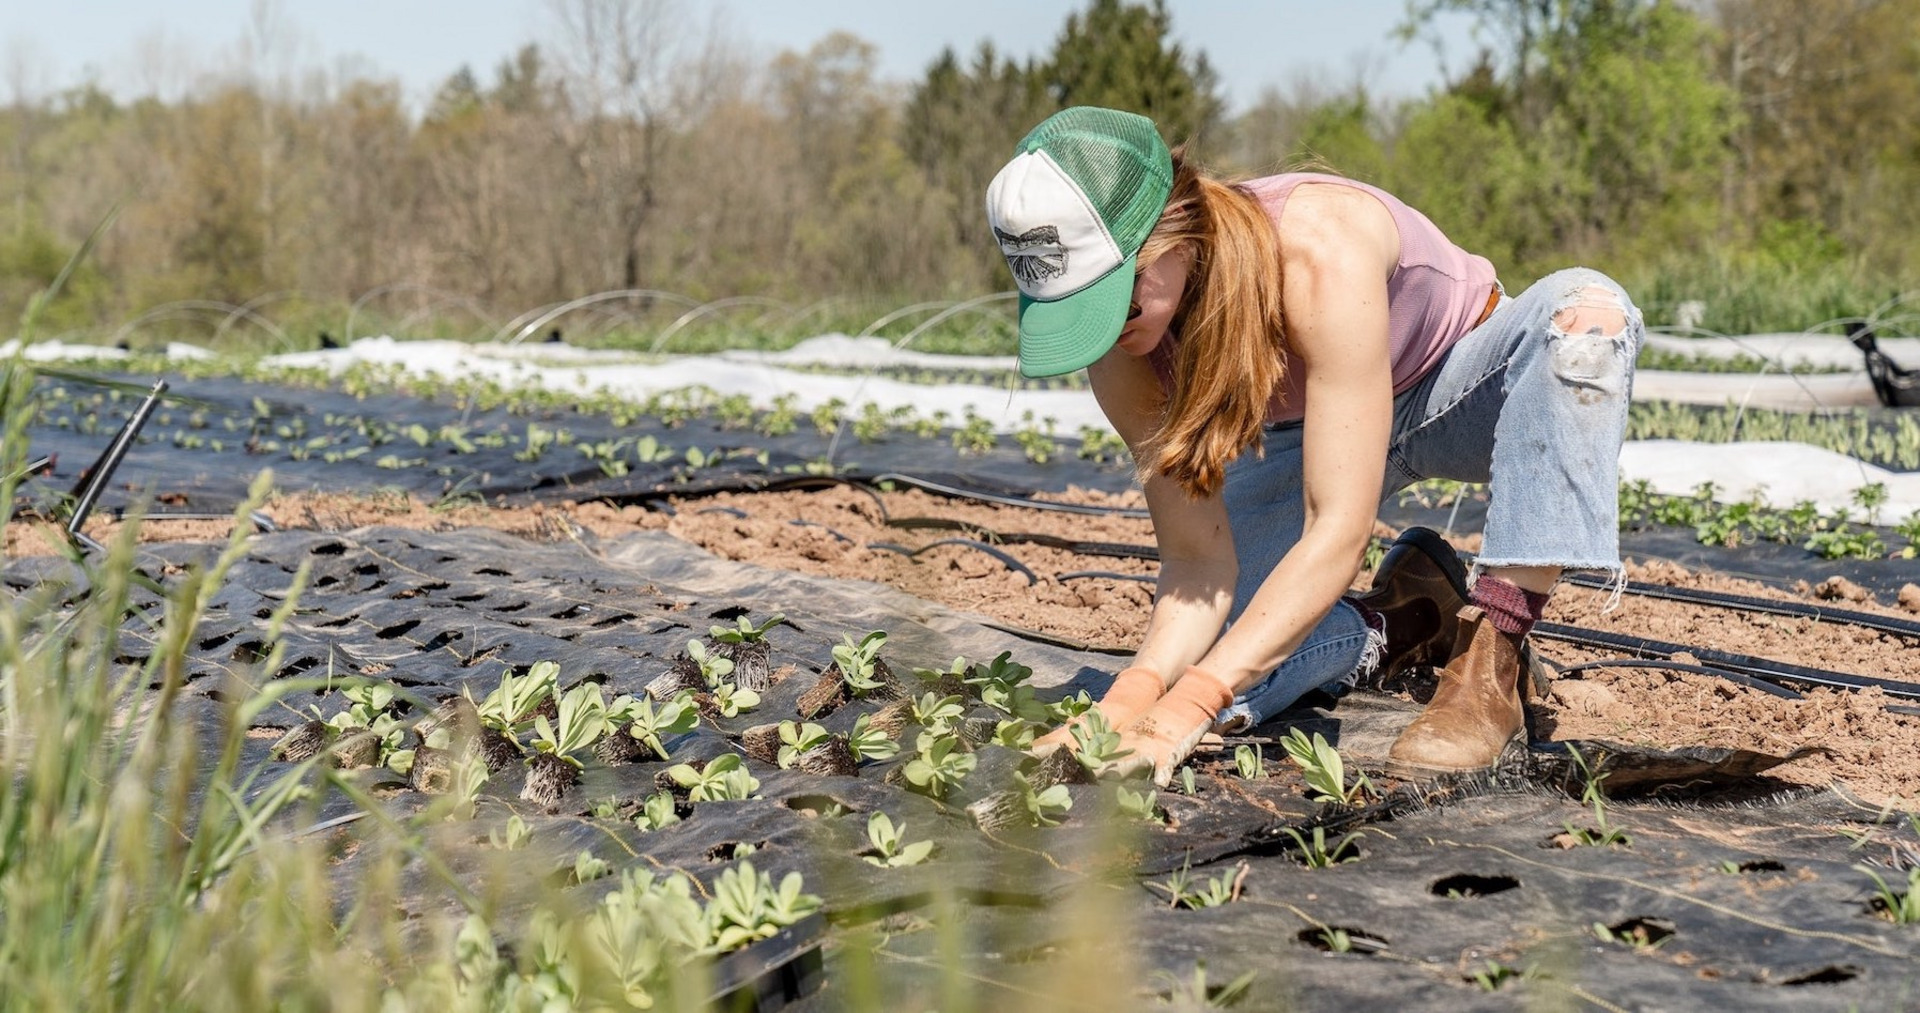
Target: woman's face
<point>1156,295</point>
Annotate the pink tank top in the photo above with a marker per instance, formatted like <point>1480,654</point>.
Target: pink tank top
<point>1435,295</point>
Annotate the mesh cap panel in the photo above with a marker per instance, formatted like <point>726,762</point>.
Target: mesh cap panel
<point>1120,162</point>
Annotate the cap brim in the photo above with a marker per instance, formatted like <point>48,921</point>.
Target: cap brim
<point>1062,335</point>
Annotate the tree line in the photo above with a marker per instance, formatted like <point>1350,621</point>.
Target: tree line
<point>1761,156</point>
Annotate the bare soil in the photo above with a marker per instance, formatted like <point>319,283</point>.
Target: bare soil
<point>834,532</point>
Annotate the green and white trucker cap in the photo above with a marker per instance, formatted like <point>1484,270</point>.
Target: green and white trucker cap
<point>1071,212</point>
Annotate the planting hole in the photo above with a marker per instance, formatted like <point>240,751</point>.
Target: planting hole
<point>510,608</point>
<point>471,597</point>
<point>572,612</point>
<point>490,571</point>
<point>1642,931</point>
<point>727,851</point>
<point>1832,974</point>
<point>442,640</point>
<point>730,613</point>
<point>212,642</point>
<point>1467,884</point>
<point>1339,939</point>
<point>398,630</point>
<point>329,549</point>
<point>1762,865</point>
<point>814,807</point>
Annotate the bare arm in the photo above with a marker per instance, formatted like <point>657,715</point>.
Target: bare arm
<point>1338,246</point>
<point>1197,564</point>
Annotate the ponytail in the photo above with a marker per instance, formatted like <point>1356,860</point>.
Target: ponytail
<point>1232,332</point>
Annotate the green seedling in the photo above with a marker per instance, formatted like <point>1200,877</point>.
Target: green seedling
<point>713,667</point>
<point>1195,993</point>
<point>651,725</point>
<point>513,702</point>
<point>796,739</point>
<point>1016,733</point>
<point>1043,807</point>
<point>1325,773</point>
<point>607,808</point>
<point>938,765</point>
<point>746,906</point>
<point>857,662</point>
<point>891,846</point>
<point>1067,708</point>
<point>582,720</point>
<point>1901,907</point>
<point>1096,743</point>
<point>657,812</point>
<point>1637,936</point>
<point>1140,805</point>
<point>937,714</point>
<point>1497,975</point>
<point>1314,853</point>
<point>516,836</point>
<point>1183,890</point>
<point>1249,761</point>
<point>1188,785</point>
<point>724,778</point>
<point>1602,833</point>
<point>732,701</point>
<point>587,868</point>
<point>1001,684</point>
<point>869,743</point>
<point>744,630</point>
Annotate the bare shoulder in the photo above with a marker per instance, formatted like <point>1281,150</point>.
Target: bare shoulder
<point>1327,223</point>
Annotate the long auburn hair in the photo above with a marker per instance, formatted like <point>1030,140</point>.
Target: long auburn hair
<point>1232,333</point>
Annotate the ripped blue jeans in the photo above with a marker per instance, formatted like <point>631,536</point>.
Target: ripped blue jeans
<point>1533,402</point>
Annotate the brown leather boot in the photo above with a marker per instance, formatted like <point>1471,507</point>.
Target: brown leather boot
<point>1419,588</point>
<point>1475,712</point>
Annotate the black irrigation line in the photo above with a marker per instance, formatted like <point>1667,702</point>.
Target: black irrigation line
<point>1106,575</point>
<point>998,499</point>
<point>1759,668</point>
<point>1006,560</point>
<point>1117,550</point>
<point>1772,689</point>
<point>1748,603</point>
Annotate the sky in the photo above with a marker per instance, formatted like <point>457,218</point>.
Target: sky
<point>134,47</point>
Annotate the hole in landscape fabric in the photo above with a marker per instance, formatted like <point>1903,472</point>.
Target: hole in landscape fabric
<point>1468,884</point>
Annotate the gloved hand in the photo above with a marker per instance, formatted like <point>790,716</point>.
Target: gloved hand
<point>1167,733</point>
<point>1130,695</point>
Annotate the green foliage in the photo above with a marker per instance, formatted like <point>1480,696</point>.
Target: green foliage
<point>724,778</point>
<point>713,667</point>
<point>1901,907</point>
<point>732,701</point>
<point>1314,852</point>
<point>869,743</point>
<point>797,739</point>
<point>1496,975</point>
<point>1122,56</point>
<point>1096,743</point>
<point>652,724</point>
<point>1325,774</point>
<point>745,631</point>
<point>582,720</point>
<point>1593,795</point>
<point>1183,890</point>
<point>937,714</point>
<point>747,906</point>
<point>1139,805</point>
<point>1044,807</point>
<point>856,662</point>
<point>1250,762</point>
<point>938,765</point>
<point>657,812</point>
<point>890,845</point>
<point>513,702</point>
<point>513,836</point>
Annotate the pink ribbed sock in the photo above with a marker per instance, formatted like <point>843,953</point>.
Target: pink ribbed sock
<point>1510,608</point>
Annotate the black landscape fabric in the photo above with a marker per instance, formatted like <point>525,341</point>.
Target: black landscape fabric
<point>1721,895</point>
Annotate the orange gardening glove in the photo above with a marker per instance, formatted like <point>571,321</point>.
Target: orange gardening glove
<point>1167,734</point>
<point>1132,692</point>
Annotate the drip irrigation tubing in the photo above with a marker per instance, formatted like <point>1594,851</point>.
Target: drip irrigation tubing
<point>1748,603</point>
<point>998,499</point>
<point>1772,689</point>
<point>1118,550</point>
<point>1008,561</point>
<point>1760,668</point>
